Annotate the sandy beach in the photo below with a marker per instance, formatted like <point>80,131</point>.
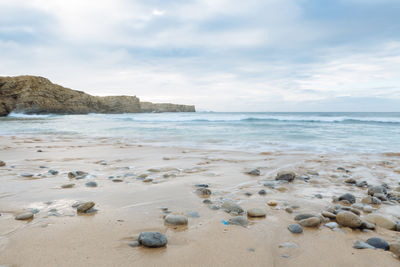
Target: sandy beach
<point>136,186</point>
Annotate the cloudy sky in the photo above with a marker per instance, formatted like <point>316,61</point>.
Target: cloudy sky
<point>253,55</point>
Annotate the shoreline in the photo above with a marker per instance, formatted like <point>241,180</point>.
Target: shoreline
<point>129,207</point>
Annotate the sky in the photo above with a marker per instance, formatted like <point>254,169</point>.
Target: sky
<point>220,55</point>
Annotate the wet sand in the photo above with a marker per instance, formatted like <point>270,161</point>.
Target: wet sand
<point>127,208</point>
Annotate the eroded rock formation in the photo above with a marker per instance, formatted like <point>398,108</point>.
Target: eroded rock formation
<point>37,95</point>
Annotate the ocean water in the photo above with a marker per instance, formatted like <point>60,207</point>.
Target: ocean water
<point>316,131</point>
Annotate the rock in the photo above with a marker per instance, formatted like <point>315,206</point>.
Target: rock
<point>230,206</point>
<point>84,207</point>
<point>193,214</point>
<point>395,248</point>
<point>381,221</point>
<point>371,200</point>
<point>377,190</point>
<point>362,245</point>
<point>288,245</point>
<point>348,219</point>
<point>214,207</point>
<point>2,163</point>
<point>289,210</point>
<point>367,225</point>
<point>272,203</point>
<point>239,220</point>
<point>254,172</point>
<point>202,185</point>
<point>152,239</point>
<point>332,225</point>
<point>77,174</point>
<point>362,184</point>
<point>256,212</point>
<point>303,216</point>
<point>172,219</point>
<point>378,243</point>
<point>26,175</point>
<point>350,181</point>
<point>118,180</point>
<point>53,172</point>
<point>349,197</point>
<point>262,192</point>
<point>310,222</point>
<point>134,244</point>
<point>355,211</point>
<point>295,228</point>
<point>24,216</point>
<point>67,185</point>
<point>285,176</point>
<point>203,192</point>
<point>368,209</point>
<point>329,215</point>
<point>380,196</point>
<point>248,194</point>
<point>319,196</point>
<point>148,180</point>
<point>207,201</point>
<point>91,184</point>
<point>37,95</point>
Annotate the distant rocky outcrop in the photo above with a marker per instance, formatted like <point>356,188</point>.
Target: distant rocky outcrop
<point>37,95</point>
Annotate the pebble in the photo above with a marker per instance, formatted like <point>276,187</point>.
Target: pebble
<point>303,216</point>
<point>239,220</point>
<point>207,201</point>
<point>272,203</point>
<point>289,210</point>
<point>310,222</point>
<point>295,228</point>
<point>77,174</point>
<point>91,184</point>
<point>172,219</point>
<point>319,196</point>
<point>395,248</point>
<point>362,245</point>
<point>377,190</point>
<point>362,184</point>
<point>202,185</point>
<point>368,209</point>
<point>288,245</point>
<point>248,194</point>
<point>285,176</point>
<point>203,192</point>
<point>381,221</point>
<point>349,197</point>
<point>371,200</point>
<point>254,172</point>
<point>53,172</point>
<point>134,244</point>
<point>262,192</point>
<point>328,214</point>
<point>256,212</point>
<point>332,225</point>
<point>84,207</point>
<point>348,219</point>
<point>152,239</point>
<point>350,181</point>
<point>24,216</point>
<point>230,206</point>
<point>117,180</point>
<point>193,214</point>
<point>148,180</point>
<point>2,163</point>
<point>214,207</point>
<point>378,243</point>
<point>27,175</point>
<point>67,185</point>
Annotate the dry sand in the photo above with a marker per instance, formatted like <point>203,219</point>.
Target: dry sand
<point>127,208</point>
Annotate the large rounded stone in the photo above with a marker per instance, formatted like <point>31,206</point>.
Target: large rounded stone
<point>349,197</point>
<point>381,221</point>
<point>152,239</point>
<point>230,206</point>
<point>172,219</point>
<point>256,212</point>
<point>285,176</point>
<point>24,216</point>
<point>84,207</point>
<point>348,219</point>
<point>378,243</point>
<point>310,222</point>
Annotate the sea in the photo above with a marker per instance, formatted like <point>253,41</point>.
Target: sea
<point>340,132</point>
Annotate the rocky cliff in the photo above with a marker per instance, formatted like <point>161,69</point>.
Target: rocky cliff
<point>37,95</point>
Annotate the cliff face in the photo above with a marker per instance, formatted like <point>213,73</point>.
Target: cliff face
<point>37,95</point>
